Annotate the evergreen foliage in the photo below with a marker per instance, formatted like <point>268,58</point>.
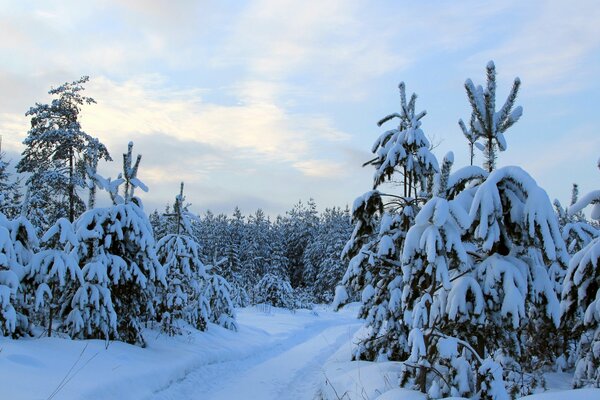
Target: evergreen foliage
<point>275,291</point>
<point>462,280</point>
<point>182,297</point>
<point>55,151</point>
<point>120,266</point>
<point>374,269</point>
<point>580,305</point>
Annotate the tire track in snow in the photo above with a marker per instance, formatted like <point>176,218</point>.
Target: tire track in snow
<point>290,368</point>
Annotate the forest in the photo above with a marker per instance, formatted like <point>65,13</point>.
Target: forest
<point>469,277</point>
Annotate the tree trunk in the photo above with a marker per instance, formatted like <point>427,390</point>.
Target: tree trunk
<point>71,188</point>
<point>50,321</point>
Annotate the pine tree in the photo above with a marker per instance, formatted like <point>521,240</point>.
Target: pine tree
<point>321,256</point>
<point>299,228</point>
<point>257,249</point>
<point>459,276</point>
<point>233,271</point>
<point>218,294</point>
<point>120,267</point>
<point>275,291</point>
<point>580,304</point>
<point>576,230</point>
<point>10,193</point>
<point>402,156</point>
<point>182,297</point>
<point>54,268</point>
<point>56,148</point>
<point>499,304</point>
<point>9,283</point>
<point>487,124</point>
<point>433,252</point>
<point>25,243</point>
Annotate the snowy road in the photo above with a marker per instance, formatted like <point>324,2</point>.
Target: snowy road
<point>287,368</point>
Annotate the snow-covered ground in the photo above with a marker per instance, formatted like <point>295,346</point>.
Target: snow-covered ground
<point>275,355</point>
<point>360,380</point>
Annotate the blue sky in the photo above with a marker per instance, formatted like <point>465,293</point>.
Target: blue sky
<point>263,103</point>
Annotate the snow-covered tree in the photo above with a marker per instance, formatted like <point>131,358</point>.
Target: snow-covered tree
<point>54,268</point>
<point>257,249</point>
<point>580,305</point>
<point>88,308</point>
<point>232,271</point>
<point>402,156</point>
<point>298,230</point>
<point>9,282</point>
<point>473,311</point>
<point>55,149</point>
<point>25,243</point>
<point>10,192</point>
<point>499,296</point>
<point>274,290</point>
<point>120,266</point>
<point>487,124</point>
<point>576,230</point>
<point>322,254</point>
<point>218,294</point>
<point>433,254</point>
<point>182,297</point>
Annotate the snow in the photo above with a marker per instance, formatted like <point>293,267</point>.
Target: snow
<point>578,394</point>
<point>359,380</point>
<point>273,355</point>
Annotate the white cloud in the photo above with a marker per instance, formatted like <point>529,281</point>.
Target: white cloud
<point>320,168</point>
<point>550,49</point>
<point>256,128</point>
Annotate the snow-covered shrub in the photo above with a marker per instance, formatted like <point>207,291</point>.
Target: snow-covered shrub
<point>218,294</point>
<point>274,290</point>
<point>181,297</point>
<point>54,268</point>
<point>9,284</point>
<point>576,230</point>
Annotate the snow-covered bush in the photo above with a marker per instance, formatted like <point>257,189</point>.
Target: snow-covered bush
<point>218,294</point>
<point>9,283</point>
<point>54,268</point>
<point>275,291</point>
<point>181,298</point>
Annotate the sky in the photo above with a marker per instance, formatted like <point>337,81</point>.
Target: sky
<point>263,103</point>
